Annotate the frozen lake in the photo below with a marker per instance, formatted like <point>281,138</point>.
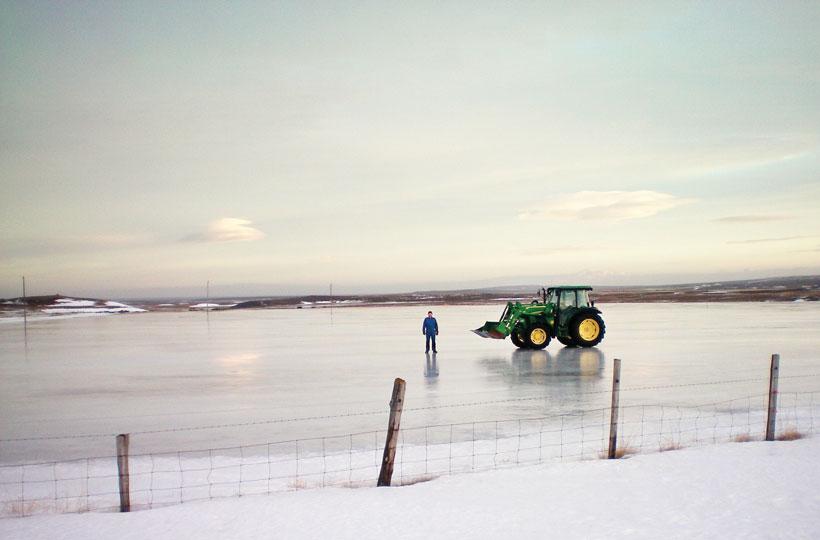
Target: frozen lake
<point>169,372</point>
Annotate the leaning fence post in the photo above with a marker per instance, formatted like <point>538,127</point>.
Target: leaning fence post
<point>771,417</point>
<point>396,406</point>
<point>122,469</point>
<point>613,418</point>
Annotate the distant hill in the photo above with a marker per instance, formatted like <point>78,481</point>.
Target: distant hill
<point>781,289</point>
<point>62,305</point>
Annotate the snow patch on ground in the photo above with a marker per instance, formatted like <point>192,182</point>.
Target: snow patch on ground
<point>71,303</point>
<point>206,305</point>
<point>736,490</point>
<point>65,306</point>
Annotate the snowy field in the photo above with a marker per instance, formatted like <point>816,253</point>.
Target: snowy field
<point>734,490</point>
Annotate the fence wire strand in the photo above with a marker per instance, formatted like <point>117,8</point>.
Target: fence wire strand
<point>424,452</point>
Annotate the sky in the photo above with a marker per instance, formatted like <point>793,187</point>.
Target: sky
<point>276,147</point>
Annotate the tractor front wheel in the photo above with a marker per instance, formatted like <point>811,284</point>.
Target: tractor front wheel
<point>538,337</point>
<point>518,339</point>
<point>567,341</point>
<point>587,329</point>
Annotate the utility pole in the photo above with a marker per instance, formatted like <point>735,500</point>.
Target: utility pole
<point>208,303</point>
<point>25,311</point>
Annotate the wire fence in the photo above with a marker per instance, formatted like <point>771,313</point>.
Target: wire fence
<point>424,452</point>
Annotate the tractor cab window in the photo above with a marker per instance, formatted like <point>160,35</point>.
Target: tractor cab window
<point>567,299</point>
<point>583,298</point>
<point>552,297</point>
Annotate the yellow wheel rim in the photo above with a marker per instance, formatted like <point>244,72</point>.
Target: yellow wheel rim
<point>538,336</point>
<point>589,329</point>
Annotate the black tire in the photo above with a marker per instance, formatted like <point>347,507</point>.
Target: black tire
<point>518,339</point>
<point>538,337</point>
<point>587,329</point>
<point>567,341</point>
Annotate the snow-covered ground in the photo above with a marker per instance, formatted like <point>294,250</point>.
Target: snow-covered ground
<point>736,490</point>
<point>63,306</point>
<point>210,305</point>
<point>68,308</point>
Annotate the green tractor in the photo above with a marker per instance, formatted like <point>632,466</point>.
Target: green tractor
<point>564,312</point>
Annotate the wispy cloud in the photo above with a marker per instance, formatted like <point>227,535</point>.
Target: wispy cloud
<point>549,251</point>
<point>58,245</point>
<point>604,205</point>
<point>766,240</point>
<point>741,153</point>
<point>228,230</point>
<point>751,218</point>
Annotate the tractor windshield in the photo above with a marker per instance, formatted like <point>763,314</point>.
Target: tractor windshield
<point>572,298</point>
<point>567,299</point>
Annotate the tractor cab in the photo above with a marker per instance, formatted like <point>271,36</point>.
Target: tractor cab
<point>567,302</point>
<point>567,297</point>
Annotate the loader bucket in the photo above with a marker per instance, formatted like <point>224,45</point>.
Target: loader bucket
<point>490,330</point>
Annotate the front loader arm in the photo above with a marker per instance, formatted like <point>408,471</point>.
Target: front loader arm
<point>503,327</point>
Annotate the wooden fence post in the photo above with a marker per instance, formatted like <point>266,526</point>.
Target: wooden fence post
<point>613,418</point>
<point>396,406</point>
<point>771,417</point>
<point>122,469</point>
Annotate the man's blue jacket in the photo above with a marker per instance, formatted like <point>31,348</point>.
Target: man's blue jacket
<point>429,326</point>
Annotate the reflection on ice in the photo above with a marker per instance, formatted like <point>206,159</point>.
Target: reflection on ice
<point>430,368</point>
<point>543,367</point>
<point>581,362</point>
<point>239,365</point>
<point>240,359</point>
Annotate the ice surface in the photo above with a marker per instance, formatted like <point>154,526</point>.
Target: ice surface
<point>164,371</point>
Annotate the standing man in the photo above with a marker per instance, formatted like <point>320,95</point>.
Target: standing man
<point>430,329</point>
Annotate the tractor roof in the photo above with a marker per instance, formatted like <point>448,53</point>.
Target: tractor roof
<point>573,287</point>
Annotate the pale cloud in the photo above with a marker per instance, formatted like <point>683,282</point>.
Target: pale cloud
<point>604,205</point>
<point>753,218</point>
<point>768,240</point>
<point>550,251</point>
<point>228,230</point>
<point>57,245</point>
<point>729,160</point>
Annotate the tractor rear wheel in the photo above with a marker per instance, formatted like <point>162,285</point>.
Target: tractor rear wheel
<point>567,341</point>
<point>518,339</point>
<point>587,329</point>
<point>538,337</point>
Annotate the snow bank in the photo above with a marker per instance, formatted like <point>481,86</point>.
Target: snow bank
<point>206,305</point>
<point>739,490</point>
<point>71,303</point>
<point>63,306</point>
